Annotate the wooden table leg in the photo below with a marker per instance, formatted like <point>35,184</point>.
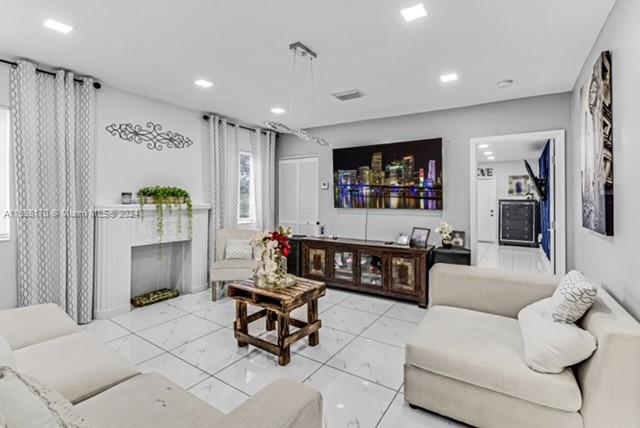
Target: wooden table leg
<point>271,320</point>
<point>241,320</point>
<point>312,316</point>
<point>283,332</point>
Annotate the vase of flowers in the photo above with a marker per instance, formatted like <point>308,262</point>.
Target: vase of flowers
<point>273,250</point>
<point>445,230</point>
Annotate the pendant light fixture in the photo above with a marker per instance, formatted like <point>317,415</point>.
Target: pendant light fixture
<point>298,49</point>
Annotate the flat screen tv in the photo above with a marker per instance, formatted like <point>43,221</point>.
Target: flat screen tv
<point>404,175</point>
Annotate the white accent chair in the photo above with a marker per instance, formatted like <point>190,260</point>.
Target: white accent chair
<point>466,358</point>
<point>229,269</point>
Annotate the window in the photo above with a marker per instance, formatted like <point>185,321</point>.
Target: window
<point>4,173</point>
<point>246,200</point>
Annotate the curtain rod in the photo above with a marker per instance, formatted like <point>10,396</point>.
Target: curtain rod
<point>207,116</point>
<point>96,85</point>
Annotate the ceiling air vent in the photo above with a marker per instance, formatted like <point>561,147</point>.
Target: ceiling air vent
<point>349,95</point>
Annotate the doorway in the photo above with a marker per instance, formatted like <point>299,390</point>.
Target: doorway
<point>517,202</point>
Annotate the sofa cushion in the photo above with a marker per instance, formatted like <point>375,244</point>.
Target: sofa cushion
<point>148,400</point>
<point>33,324</point>
<point>486,350</point>
<point>235,264</point>
<point>27,403</point>
<point>6,355</point>
<point>77,365</point>
<point>551,346</point>
<point>573,297</point>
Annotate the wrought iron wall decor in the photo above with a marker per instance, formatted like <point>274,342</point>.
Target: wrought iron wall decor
<point>155,138</point>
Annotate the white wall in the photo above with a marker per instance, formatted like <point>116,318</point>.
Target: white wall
<point>456,127</point>
<point>502,171</point>
<point>613,260</point>
<point>124,166</point>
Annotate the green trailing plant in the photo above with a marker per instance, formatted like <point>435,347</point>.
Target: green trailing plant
<point>166,197</point>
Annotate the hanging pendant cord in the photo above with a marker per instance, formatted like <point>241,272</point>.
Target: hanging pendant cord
<point>293,81</point>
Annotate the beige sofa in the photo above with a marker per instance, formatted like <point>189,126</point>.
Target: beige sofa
<point>47,345</point>
<point>229,270</point>
<point>466,358</point>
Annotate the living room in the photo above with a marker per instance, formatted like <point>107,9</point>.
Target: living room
<point>282,214</point>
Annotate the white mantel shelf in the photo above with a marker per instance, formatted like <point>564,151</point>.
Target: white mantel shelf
<point>115,237</point>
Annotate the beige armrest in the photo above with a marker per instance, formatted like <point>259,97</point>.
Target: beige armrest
<point>487,290</point>
<point>34,324</point>
<point>282,404</point>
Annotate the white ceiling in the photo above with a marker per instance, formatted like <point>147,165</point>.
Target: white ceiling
<point>512,150</point>
<point>158,48</point>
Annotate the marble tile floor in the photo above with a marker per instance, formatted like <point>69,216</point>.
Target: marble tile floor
<point>358,366</point>
<point>512,258</point>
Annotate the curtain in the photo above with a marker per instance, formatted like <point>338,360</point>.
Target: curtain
<point>52,126</point>
<point>264,149</point>
<point>224,158</point>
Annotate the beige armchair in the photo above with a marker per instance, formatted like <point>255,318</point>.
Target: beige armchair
<point>466,358</point>
<point>229,269</point>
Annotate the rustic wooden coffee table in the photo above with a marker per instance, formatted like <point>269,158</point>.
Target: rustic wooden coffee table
<point>277,304</point>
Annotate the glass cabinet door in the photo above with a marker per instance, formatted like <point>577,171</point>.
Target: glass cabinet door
<point>371,270</point>
<point>317,263</point>
<point>343,265</point>
<point>403,274</point>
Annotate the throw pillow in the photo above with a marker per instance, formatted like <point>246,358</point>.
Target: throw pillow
<point>573,297</point>
<point>238,249</point>
<point>26,403</point>
<point>6,354</point>
<point>549,346</point>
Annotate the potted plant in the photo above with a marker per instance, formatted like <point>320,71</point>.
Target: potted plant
<point>445,230</point>
<point>169,197</point>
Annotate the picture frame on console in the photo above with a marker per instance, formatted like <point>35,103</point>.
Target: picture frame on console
<point>458,239</point>
<point>419,237</point>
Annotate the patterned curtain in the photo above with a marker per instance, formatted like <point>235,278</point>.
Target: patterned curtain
<point>52,126</point>
<point>224,158</point>
<point>264,149</point>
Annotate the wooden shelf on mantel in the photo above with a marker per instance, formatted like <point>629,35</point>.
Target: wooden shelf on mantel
<point>147,207</point>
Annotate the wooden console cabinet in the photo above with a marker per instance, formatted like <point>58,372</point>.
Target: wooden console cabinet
<point>368,266</point>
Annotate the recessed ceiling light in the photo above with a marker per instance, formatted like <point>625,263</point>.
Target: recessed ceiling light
<point>483,146</point>
<point>488,153</point>
<point>277,110</point>
<point>57,26</point>
<point>447,78</point>
<point>203,83</point>
<point>505,83</point>
<point>491,158</point>
<point>414,12</point>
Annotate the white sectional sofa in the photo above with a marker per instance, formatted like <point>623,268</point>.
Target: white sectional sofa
<point>466,358</point>
<point>108,393</point>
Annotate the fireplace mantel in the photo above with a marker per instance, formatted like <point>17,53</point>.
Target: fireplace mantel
<point>117,232</point>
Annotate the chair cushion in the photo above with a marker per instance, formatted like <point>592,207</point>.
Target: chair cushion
<point>148,400</point>
<point>78,365</point>
<point>573,297</point>
<point>240,249</point>
<point>551,346</point>
<point>33,324</point>
<point>27,403</point>
<point>486,350</point>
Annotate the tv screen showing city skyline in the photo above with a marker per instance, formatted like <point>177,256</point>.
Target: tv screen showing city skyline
<point>404,175</point>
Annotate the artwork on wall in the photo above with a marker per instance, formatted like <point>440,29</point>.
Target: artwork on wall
<point>484,172</point>
<point>406,175</point>
<point>597,148</point>
<point>155,138</point>
<point>519,185</point>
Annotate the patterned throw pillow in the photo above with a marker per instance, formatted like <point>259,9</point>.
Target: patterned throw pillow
<point>573,297</point>
<point>238,249</point>
<point>27,403</point>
